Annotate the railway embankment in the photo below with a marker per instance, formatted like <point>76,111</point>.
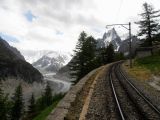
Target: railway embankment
<point>75,103</point>
<point>146,78</point>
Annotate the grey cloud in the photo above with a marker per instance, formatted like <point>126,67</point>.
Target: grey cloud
<point>4,5</point>
<point>55,4</point>
<point>65,12</point>
<point>89,20</point>
<point>52,13</point>
<point>69,19</point>
<point>39,37</point>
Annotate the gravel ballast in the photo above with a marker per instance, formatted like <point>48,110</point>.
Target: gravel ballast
<point>150,92</point>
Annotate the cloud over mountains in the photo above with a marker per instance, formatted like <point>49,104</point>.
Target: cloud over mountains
<point>56,24</point>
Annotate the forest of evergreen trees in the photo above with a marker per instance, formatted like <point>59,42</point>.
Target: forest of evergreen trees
<point>14,109</point>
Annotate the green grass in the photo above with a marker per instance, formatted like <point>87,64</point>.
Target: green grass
<point>151,63</point>
<point>43,115</point>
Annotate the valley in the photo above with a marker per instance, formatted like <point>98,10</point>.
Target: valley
<point>48,63</point>
<point>59,86</point>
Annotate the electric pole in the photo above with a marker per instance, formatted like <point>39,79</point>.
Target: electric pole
<point>130,46</point>
<point>130,40</point>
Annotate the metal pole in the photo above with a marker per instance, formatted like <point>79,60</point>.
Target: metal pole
<point>130,44</point>
<point>130,40</point>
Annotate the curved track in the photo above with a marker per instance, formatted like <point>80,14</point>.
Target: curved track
<point>131,103</point>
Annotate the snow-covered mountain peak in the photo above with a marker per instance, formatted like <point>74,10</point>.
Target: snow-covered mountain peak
<point>110,36</point>
<point>32,56</point>
<point>46,60</point>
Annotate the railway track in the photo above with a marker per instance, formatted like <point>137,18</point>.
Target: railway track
<point>131,103</point>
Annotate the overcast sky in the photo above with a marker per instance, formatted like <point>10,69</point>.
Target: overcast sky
<point>56,24</point>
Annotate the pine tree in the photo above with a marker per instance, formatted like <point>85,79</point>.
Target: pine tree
<point>32,107</point>
<point>45,100</point>
<point>84,59</point>
<point>17,109</point>
<point>48,98</point>
<point>119,56</point>
<point>101,56</point>
<point>109,54</point>
<point>89,54</point>
<point>149,25</point>
<point>77,64</point>
<point>3,105</point>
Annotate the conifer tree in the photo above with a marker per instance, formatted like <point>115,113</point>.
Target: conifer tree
<point>3,105</point>
<point>48,98</point>
<point>89,54</point>
<point>148,25</point>
<point>109,54</point>
<point>31,107</point>
<point>77,64</point>
<point>84,59</point>
<point>18,107</point>
<point>101,56</point>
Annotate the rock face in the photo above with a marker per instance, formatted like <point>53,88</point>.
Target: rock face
<point>64,73</point>
<point>124,48</point>
<point>109,37</point>
<point>13,64</point>
<point>49,64</point>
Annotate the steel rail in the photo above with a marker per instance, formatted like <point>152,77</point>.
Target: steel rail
<point>115,94</point>
<point>138,92</point>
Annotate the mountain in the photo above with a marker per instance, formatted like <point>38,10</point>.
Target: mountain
<point>121,44</point>
<point>109,37</point>
<point>9,52</point>
<point>124,48</point>
<point>32,56</point>
<point>13,64</point>
<point>125,36</point>
<point>47,61</point>
<point>64,72</point>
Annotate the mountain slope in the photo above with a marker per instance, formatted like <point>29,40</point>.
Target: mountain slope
<point>64,72</point>
<point>49,64</point>
<point>109,37</point>
<point>47,61</point>
<point>9,52</point>
<point>13,64</point>
<point>33,56</point>
<point>124,48</point>
<point>121,44</point>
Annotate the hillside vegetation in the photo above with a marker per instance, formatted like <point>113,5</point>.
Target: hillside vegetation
<point>152,63</point>
<point>144,68</point>
<point>13,64</point>
<point>43,114</point>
